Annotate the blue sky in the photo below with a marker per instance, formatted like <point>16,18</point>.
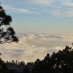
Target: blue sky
<point>53,16</point>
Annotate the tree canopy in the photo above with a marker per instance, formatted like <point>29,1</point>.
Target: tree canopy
<point>60,62</point>
<point>7,35</point>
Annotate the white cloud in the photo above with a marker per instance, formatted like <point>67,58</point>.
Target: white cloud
<point>19,10</point>
<point>54,7</point>
<point>33,46</point>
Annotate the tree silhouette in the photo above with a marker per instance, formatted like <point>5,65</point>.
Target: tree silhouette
<point>7,35</point>
<point>3,67</point>
<point>37,66</point>
<point>26,70</point>
<point>60,62</point>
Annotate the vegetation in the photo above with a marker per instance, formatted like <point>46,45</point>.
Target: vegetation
<point>3,67</point>
<point>26,70</point>
<point>60,62</point>
<point>7,35</point>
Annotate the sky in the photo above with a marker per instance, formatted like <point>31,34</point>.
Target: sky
<point>53,16</point>
<point>42,26</point>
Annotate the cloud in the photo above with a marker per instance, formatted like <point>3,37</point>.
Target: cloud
<point>53,7</point>
<point>60,8</point>
<point>19,10</point>
<point>34,45</point>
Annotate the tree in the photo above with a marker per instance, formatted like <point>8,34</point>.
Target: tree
<point>37,66</point>
<point>60,62</point>
<point>22,63</point>
<point>30,64</point>
<point>7,35</point>
<point>26,70</point>
<point>3,67</point>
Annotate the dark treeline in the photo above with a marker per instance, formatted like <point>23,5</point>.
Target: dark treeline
<point>60,62</point>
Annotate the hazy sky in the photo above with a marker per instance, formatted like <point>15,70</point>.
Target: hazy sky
<point>40,15</point>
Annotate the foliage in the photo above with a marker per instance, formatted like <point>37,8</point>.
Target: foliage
<point>3,67</point>
<point>30,64</point>
<point>26,70</point>
<point>7,35</point>
<point>60,62</point>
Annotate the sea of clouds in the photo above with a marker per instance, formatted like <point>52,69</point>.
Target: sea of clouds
<point>32,46</point>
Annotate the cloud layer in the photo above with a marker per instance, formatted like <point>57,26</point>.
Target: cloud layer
<point>19,10</point>
<point>34,45</point>
<point>54,7</point>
